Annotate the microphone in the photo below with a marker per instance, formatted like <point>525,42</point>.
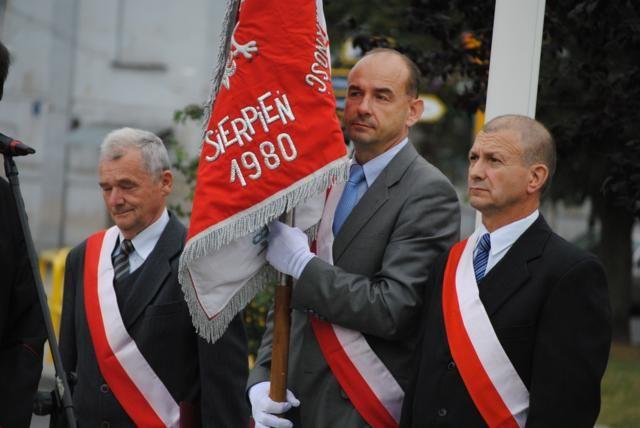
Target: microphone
<point>9,146</point>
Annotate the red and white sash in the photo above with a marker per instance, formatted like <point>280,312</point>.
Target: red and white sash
<point>133,382</point>
<point>365,379</point>
<point>493,383</point>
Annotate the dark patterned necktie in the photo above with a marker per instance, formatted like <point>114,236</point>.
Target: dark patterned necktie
<point>121,260</point>
<point>482,257</point>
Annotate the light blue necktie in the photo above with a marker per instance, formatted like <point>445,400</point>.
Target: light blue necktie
<point>482,257</point>
<point>353,191</point>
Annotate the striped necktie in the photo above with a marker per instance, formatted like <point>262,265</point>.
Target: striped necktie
<point>121,260</point>
<point>482,256</point>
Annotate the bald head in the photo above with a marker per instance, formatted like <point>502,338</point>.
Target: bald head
<point>537,143</point>
<point>412,82</point>
<point>379,110</point>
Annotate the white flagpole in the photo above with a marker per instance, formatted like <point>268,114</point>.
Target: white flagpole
<point>515,59</point>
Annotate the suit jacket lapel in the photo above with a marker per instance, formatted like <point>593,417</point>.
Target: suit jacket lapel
<point>373,199</point>
<point>155,271</point>
<point>512,272</point>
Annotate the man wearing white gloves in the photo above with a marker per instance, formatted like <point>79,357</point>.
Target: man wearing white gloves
<point>355,305</point>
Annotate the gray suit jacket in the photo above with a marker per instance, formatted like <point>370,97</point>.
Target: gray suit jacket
<point>382,256</point>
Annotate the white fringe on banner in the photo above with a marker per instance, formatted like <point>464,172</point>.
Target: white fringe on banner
<point>212,329</point>
<point>243,224</point>
<point>254,218</point>
<point>228,26</point>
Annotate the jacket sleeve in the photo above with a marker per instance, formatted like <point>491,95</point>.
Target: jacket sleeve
<point>387,304</point>
<point>571,350</point>
<point>406,418</point>
<point>223,376</point>
<point>68,348</point>
<point>22,331</point>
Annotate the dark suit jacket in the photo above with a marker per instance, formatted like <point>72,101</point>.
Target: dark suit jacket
<point>22,331</point>
<point>382,255</point>
<point>207,378</point>
<point>548,303</point>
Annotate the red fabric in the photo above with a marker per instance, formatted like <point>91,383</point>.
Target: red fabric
<point>123,388</point>
<point>287,62</point>
<point>350,379</point>
<point>483,393</point>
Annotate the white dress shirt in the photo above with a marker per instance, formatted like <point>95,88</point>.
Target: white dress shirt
<point>502,239</point>
<point>144,242</point>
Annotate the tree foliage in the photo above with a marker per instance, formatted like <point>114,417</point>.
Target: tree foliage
<point>591,98</point>
<point>588,94</point>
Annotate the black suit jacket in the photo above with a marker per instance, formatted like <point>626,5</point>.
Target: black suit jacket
<point>548,303</point>
<point>202,377</point>
<point>22,331</point>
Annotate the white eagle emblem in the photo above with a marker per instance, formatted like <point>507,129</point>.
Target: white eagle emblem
<point>247,50</point>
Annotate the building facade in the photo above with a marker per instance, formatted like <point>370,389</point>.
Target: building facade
<point>82,68</point>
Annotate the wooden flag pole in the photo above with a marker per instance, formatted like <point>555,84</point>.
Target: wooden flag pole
<point>281,330</point>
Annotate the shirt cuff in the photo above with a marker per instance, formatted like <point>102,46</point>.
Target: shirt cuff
<point>301,263</point>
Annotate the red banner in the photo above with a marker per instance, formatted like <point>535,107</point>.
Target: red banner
<point>272,141</point>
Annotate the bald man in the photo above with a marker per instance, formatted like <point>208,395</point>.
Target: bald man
<point>356,304</point>
<point>517,327</point>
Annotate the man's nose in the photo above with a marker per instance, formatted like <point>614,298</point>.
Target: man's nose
<point>364,107</point>
<point>476,170</point>
<point>115,197</point>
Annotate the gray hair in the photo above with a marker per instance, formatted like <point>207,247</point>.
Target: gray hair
<point>154,153</point>
<point>537,142</point>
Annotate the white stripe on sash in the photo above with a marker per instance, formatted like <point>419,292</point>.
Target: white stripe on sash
<point>123,346</point>
<point>485,341</point>
<point>371,368</point>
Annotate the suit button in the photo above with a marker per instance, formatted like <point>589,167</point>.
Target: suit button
<point>442,412</point>
<point>343,394</point>
<point>105,424</point>
<point>104,388</point>
<point>451,365</point>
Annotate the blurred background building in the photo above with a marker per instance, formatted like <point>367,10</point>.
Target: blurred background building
<point>82,68</point>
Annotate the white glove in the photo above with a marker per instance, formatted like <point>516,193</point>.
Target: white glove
<point>288,250</point>
<point>264,409</point>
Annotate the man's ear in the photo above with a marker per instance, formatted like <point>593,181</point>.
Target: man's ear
<point>538,176</point>
<point>416,108</point>
<point>166,180</point>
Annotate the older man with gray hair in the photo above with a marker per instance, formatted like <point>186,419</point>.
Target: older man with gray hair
<point>517,326</point>
<point>126,330</point>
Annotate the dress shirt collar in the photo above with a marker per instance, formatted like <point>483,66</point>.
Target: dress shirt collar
<point>374,167</point>
<point>145,241</point>
<point>504,237</point>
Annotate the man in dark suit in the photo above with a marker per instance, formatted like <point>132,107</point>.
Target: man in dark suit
<point>22,331</point>
<point>126,329</point>
<point>517,329</point>
<point>360,297</point>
